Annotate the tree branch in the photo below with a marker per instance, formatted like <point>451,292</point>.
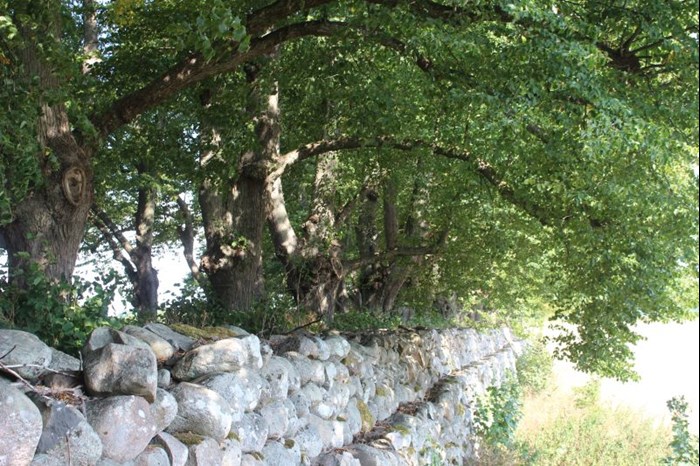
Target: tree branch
<point>186,234</point>
<point>195,69</point>
<point>109,236</point>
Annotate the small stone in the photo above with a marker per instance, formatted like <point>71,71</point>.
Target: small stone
<point>163,409</point>
<point>159,345</point>
<point>228,355</point>
<point>205,453</point>
<point>176,450</point>
<point>152,456</point>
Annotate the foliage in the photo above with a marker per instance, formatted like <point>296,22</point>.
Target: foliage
<point>553,145</point>
<point>498,413</point>
<point>192,306</point>
<point>684,445</point>
<point>534,368</point>
<point>562,428</point>
<point>62,315</point>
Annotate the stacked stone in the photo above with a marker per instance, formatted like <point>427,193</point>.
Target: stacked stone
<point>156,396</point>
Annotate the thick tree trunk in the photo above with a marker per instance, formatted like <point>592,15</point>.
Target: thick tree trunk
<point>233,258</point>
<point>234,216</point>
<point>48,225</point>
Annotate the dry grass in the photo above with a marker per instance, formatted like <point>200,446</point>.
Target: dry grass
<point>575,429</point>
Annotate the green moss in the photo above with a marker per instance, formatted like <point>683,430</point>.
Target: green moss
<point>402,429</point>
<point>289,443</point>
<point>381,391</point>
<point>188,438</point>
<point>233,436</point>
<point>460,410</point>
<point>206,333</point>
<point>257,455</point>
<point>366,416</point>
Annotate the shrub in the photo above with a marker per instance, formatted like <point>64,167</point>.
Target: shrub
<point>534,368</point>
<point>684,445</point>
<point>61,314</point>
<point>498,413</point>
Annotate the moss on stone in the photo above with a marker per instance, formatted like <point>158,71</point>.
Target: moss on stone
<point>188,438</point>
<point>401,429</point>
<point>366,416</point>
<point>233,436</point>
<point>289,443</point>
<point>206,333</point>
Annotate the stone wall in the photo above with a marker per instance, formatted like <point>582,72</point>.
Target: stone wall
<point>177,395</point>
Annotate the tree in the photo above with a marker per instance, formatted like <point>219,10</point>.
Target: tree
<point>559,139</point>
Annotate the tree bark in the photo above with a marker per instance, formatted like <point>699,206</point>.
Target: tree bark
<point>48,225</point>
<point>234,215</point>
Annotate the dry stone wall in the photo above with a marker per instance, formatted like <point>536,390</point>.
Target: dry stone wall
<point>158,395</point>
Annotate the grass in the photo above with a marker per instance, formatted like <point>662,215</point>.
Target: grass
<point>577,429</point>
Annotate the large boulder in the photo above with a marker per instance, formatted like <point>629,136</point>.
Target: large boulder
<point>67,436</point>
<point>227,355</point>
<point>200,411</point>
<point>117,369</point>
<point>124,424</point>
<point>26,352</point>
<point>20,426</point>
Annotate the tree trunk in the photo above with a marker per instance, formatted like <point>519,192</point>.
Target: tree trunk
<point>146,286</point>
<point>234,216</point>
<point>233,258</point>
<point>48,225</point>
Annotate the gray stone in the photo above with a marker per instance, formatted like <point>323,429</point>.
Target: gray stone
<point>309,441</point>
<point>251,431</point>
<point>253,459</point>
<point>329,432</point>
<point>176,450</point>
<point>337,346</point>
<point>205,453</point>
<point>239,332</point>
<point>372,456</point>
<point>242,389</point>
<point>152,456</point>
<point>231,450</point>
<point>310,370</point>
<point>266,352</point>
<point>164,378</point>
<point>21,426</point>
<point>67,434</point>
<point>276,417</point>
<point>227,355</point>
<point>338,458</point>
<point>163,409</point>
<point>276,372</point>
<point>323,349</point>
<point>200,411</point>
<point>62,362</point>
<point>159,345</point>
<point>42,459</point>
<point>286,453</point>
<point>118,369</point>
<point>124,424</point>
<point>25,353</point>
<point>102,336</point>
<point>179,341</point>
